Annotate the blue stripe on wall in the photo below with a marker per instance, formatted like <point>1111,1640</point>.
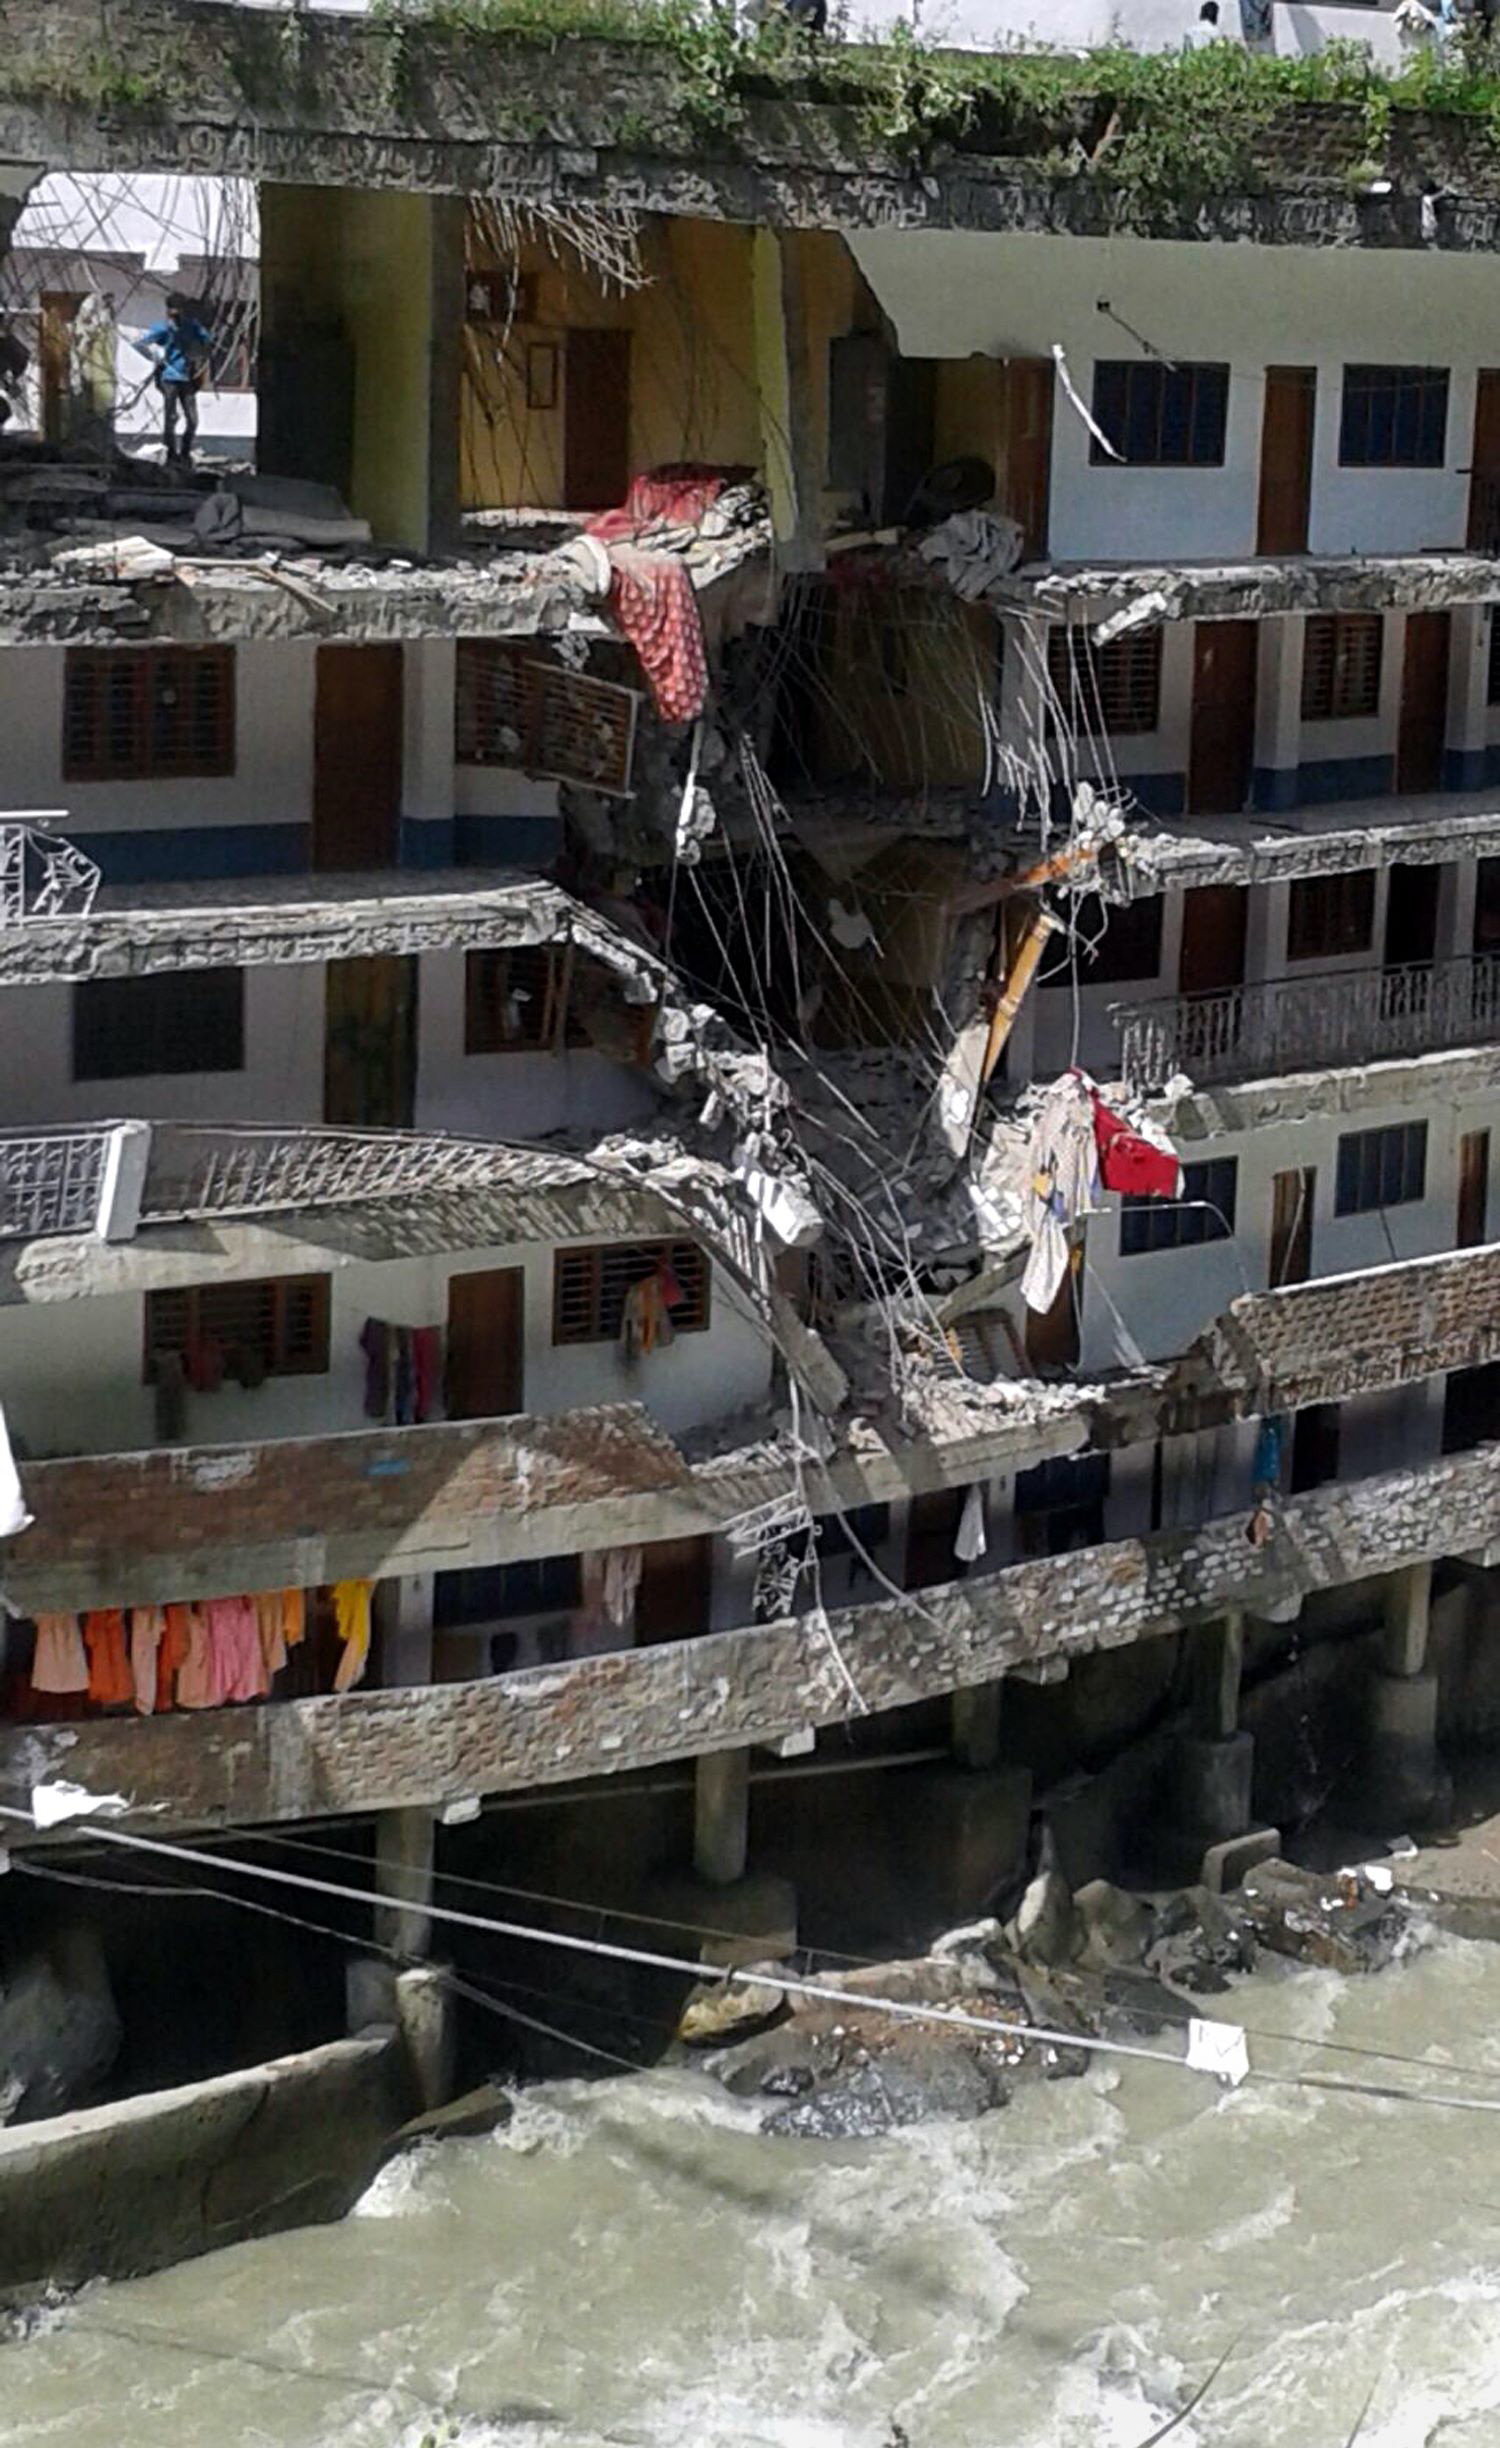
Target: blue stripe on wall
<point>1471,768</point>
<point>507,841</point>
<point>190,854</point>
<point>427,841</point>
<point>1322,780</point>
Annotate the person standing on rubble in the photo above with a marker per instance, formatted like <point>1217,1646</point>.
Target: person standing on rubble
<point>179,350</point>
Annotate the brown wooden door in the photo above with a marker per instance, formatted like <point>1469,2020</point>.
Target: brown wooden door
<point>596,419</point>
<point>1473,1189</point>
<point>1221,756</point>
<point>1292,1196</point>
<point>1484,472</point>
<point>1423,730</point>
<point>1213,939</point>
<point>357,732</point>
<point>484,1374</point>
<point>672,1602</point>
<point>55,362</point>
<point>1286,458</point>
<point>370,1042</point>
<point>1026,438</point>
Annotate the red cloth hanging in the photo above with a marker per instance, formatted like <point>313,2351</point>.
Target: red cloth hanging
<point>1129,1163</point>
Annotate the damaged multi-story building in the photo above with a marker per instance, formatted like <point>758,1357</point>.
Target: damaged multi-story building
<point>754,1020</point>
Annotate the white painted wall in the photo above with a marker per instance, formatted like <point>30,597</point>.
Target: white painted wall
<point>271,783</point>
<point>955,294</point>
<point>516,1094</point>
<point>72,1370</point>
<point>282,1080</point>
<point>1167,1296</point>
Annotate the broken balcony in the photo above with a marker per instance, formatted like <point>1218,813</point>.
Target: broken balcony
<point>1332,1021</point>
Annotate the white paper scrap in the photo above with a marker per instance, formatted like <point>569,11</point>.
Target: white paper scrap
<point>51,1804</point>
<point>1220,2049</point>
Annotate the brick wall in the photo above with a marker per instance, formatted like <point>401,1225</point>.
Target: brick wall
<point>640,1707</point>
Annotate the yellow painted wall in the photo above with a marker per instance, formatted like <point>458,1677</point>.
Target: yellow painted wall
<point>364,259</point>
<point>692,383</point>
<point>901,670</point>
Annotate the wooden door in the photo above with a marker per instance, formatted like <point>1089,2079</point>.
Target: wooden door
<point>1292,1196</point>
<point>1411,916</point>
<point>1026,439</point>
<point>55,362</point>
<point>357,733</point>
<point>1052,1336</point>
<point>370,1042</point>
<point>1213,939</point>
<point>484,1372</point>
<point>596,419</point>
<point>672,1602</point>
<point>1473,1189</point>
<point>1423,730</point>
<point>1484,471</point>
<point>1221,756</point>
<point>1286,458</point>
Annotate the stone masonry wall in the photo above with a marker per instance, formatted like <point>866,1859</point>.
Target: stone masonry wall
<point>643,1707</point>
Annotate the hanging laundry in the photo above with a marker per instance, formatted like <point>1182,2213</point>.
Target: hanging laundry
<point>646,1318</point>
<point>1270,1444</point>
<point>1064,1184</point>
<point>1138,1164</point>
<point>375,1343</point>
<point>14,1517</point>
<point>293,1617</point>
<point>171,1656</point>
<point>111,1684</point>
<point>971,1542</point>
<point>651,594</point>
<point>61,1661</point>
<point>204,1362</point>
<point>427,1362</point>
<point>351,1612</point>
<point>147,1624</point>
<point>268,1624</point>
<point>404,1382</point>
<point>238,1669</point>
<point>622,1579</point>
<point>195,1675</point>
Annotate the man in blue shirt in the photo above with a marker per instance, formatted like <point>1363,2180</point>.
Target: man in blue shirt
<point>179,350</point>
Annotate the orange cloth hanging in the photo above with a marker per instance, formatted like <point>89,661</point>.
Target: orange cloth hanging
<point>111,1683</point>
<point>195,1676</point>
<point>269,1623</point>
<point>171,1655</point>
<point>351,1610</point>
<point>147,1624</point>
<point>294,1617</point>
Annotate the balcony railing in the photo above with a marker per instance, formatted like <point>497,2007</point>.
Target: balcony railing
<point>1332,1020</point>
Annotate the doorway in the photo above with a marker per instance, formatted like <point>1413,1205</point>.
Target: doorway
<point>596,420</point>
<point>672,1601</point>
<point>370,1042</point>
<point>357,743</point>
<point>1292,1196</point>
<point>484,1374</point>
<point>1473,1189</point>
<point>1411,917</point>
<point>1286,459</point>
<point>1221,755</point>
<point>1026,431</point>
<point>1213,939</point>
<point>1315,1447</point>
<point>1422,733</point>
<point>1484,471</point>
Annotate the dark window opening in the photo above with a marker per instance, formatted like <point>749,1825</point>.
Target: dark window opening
<point>1114,689</point>
<point>590,1287</point>
<point>1127,941</point>
<point>1381,1168</point>
<point>1059,1505</point>
<point>150,1027</point>
<point>1205,1211</point>
<point>1315,1447</point>
<point>518,998</point>
<point>1394,416</point>
<point>1330,915</point>
<point>1341,655</point>
<point>541,1585</point>
<point>1471,1408</point>
<point>274,1328</point>
<point>870,1524</point>
<point>1160,415</point>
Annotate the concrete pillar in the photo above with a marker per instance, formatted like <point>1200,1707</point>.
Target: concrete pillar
<point>403,1881</point>
<point>721,1816</point>
<point>425,2020</point>
<point>1468,696</point>
<point>1278,712</point>
<point>1217,1657</point>
<point>974,1719</point>
<point>1402,1775</point>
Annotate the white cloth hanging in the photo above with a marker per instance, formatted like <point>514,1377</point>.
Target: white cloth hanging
<point>1064,1184</point>
<point>971,1543</point>
<point>14,1517</point>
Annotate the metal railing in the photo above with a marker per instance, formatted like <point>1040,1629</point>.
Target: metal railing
<point>51,1182</point>
<point>1334,1019</point>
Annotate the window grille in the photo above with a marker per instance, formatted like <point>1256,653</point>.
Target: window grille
<point>137,713</point>
<point>279,1325</point>
<point>513,997</point>
<point>1394,416</point>
<point>152,1027</point>
<point>1341,666</point>
<point>589,1287</point>
<point>562,726</point>
<point>1330,915</point>
<point>1159,415</point>
<point>1115,687</point>
<point>1126,940</point>
<point>1205,1211</point>
<point>1381,1168</point>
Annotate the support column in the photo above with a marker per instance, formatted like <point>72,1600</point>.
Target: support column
<point>974,1718</point>
<point>403,1881</point>
<point>1278,713</point>
<point>1216,1762</point>
<point>1402,1774</point>
<point>721,1816</point>
<point>1468,698</point>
